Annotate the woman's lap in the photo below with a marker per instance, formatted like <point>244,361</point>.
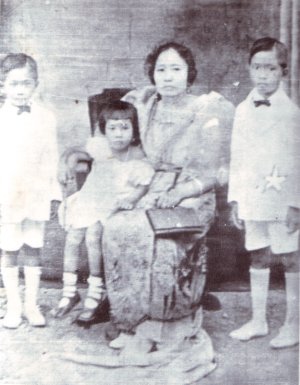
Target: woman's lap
<point>148,277</point>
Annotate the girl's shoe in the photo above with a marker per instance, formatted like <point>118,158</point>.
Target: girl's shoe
<point>65,305</point>
<point>93,315</point>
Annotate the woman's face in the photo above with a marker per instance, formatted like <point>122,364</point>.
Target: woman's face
<point>170,73</point>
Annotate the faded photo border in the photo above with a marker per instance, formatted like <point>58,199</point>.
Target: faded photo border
<point>88,48</point>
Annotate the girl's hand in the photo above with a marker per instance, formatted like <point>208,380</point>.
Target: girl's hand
<point>168,199</point>
<point>234,217</point>
<point>148,201</point>
<point>124,204</point>
<point>66,174</point>
<point>293,219</point>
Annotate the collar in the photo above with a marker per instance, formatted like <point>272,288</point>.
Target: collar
<point>14,109</point>
<point>274,98</point>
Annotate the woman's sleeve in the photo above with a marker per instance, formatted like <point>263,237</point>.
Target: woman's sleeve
<point>209,151</point>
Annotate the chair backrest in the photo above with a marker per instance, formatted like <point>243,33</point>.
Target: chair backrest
<point>95,103</point>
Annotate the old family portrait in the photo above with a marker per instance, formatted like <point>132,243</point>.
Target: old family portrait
<point>149,192</point>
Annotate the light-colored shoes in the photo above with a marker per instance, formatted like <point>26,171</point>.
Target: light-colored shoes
<point>12,320</point>
<point>34,316</point>
<point>121,341</point>
<point>251,329</point>
<point>288,336</point>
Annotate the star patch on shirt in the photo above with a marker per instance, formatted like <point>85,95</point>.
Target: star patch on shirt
<point>274,180</point>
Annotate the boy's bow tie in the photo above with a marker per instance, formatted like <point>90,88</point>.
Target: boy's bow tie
<point>264,102</point>
<point>23,109</point>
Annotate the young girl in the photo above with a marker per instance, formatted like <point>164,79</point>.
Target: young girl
<point>118,179</point>
<point>28,184</point>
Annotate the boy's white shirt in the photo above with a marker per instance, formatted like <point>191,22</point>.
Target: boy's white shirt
<point>28,163</point>
<point>264,173</point>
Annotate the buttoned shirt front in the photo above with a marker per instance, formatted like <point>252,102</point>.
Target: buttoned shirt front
<point>28,163</point>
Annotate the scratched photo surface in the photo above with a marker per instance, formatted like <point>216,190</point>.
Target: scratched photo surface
<point>91,52</point>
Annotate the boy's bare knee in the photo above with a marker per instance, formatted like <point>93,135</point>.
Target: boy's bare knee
<point>290,262</point>
<point>260,259</point>
<point>75,237</point>
<point>9,258</point>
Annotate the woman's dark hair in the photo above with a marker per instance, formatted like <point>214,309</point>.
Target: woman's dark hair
<point>268,44</point>
<point>18,60</point>
<point>120,110</point>
<point>184,52</point>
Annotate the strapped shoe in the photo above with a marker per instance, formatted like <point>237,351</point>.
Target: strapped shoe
<point>69,304</point>
<point>91,316</point>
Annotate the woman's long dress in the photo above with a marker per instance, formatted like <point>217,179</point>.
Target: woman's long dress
<point>155,284</point>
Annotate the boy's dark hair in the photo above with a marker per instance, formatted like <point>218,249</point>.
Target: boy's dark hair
<point>120,110</point>
<point>184,52</point>
<point>18,60</point>
<point>268,44</point>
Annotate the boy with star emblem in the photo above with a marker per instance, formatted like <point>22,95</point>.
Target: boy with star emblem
<point>264,187</point>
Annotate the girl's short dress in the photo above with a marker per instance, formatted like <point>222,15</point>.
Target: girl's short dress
<point>109,181</point>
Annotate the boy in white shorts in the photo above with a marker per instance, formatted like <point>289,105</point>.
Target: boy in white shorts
<point>264,187</point>
<point>28,184</point>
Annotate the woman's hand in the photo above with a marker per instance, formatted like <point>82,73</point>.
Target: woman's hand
<point>168,199</point>
<point>293,219</point>
<point>234,217</point>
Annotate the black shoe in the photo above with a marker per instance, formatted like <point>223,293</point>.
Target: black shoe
<point>60,312</point>
<point>94,316</point>
<point>210,302</point>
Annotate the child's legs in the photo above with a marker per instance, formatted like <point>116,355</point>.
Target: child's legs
<point>288,250</point>
<point>11,242</point>
<point>93,243</point>
<point>74,239</point>
<point>286,245</point>
<point>258,243</point>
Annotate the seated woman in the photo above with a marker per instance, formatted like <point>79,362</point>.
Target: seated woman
<point>144,273</point>
<point>155,284</point>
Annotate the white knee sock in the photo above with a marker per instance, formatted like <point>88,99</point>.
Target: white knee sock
<point>95,292</point>
<point>32,283</point>
<point>259,279</point>
<point>70,282</point>
<point>292,298</point>
<point>13,315</point>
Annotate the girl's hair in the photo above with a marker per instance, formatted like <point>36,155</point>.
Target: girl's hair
<point>120,110</point>
<point>268,44</point>
<point>184,52</point>
<point>18,60</point>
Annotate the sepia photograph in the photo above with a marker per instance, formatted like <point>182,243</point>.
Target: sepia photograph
<point>149,192</point>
